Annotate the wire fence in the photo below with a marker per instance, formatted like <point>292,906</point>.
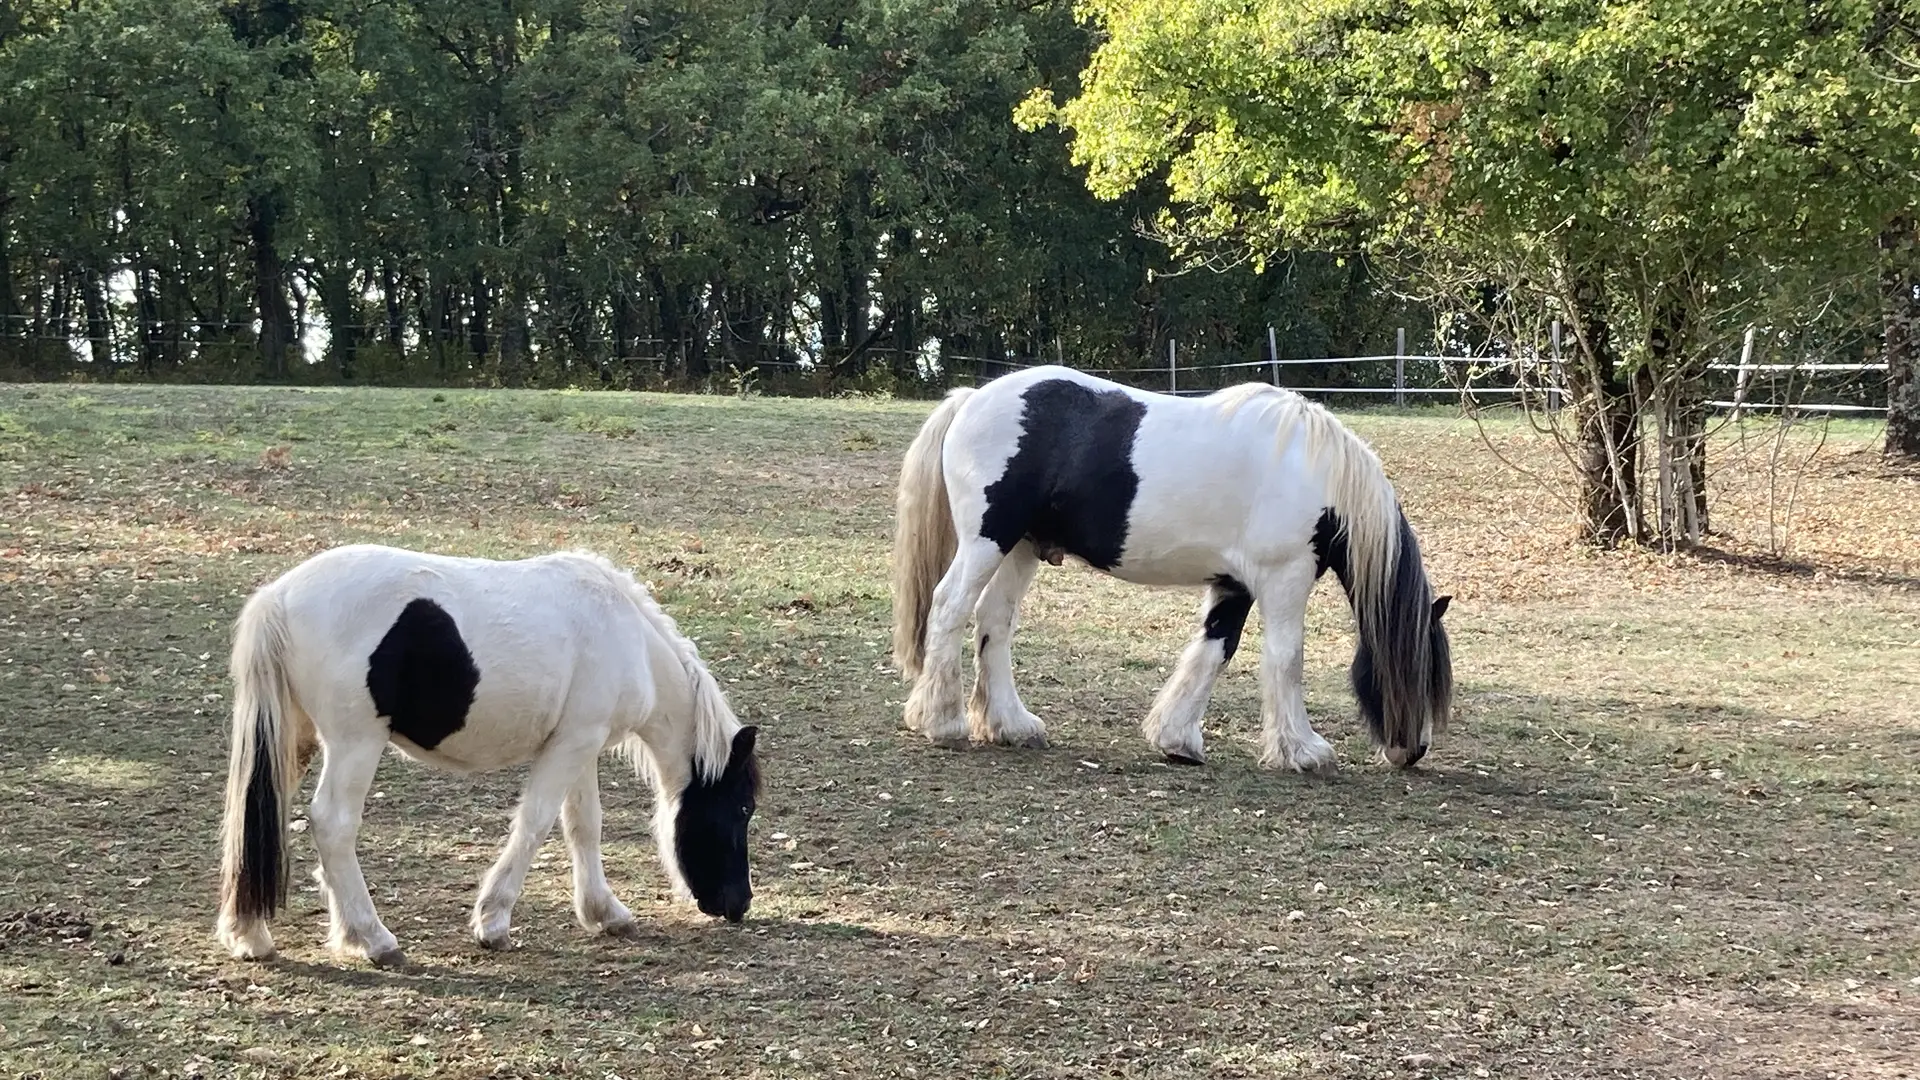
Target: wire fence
<point>219,351</point>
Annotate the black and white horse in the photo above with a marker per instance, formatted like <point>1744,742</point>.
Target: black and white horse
<point>473,665</point>
<point>1253,492</point>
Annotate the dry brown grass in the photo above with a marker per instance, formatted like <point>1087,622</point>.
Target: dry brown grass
<point>1671,834</point>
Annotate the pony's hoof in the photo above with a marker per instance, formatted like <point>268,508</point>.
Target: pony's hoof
<point>1323,762</point>
<point>1180,757</point>
<point>625,929</point>
<point>1036,741</point>
<point>393,959</point>
<point>1317,766</point>
<point>949,742</point>
<point>498,942</point>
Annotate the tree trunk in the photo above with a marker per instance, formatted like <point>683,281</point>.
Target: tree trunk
<point>482,311</point>
<point>626,327</point>
<point>439,321</point>
<point>516,354</point>
<point>269,284</point>
<point>343,336</point>
<point>396,309</point>
<point>1672,395</point>
<point>1900,337</point>
<point>13,326</point>
<point>147,303</point>
<point>1606,423</point>
<point>906,306</point>
<point>99,327</point>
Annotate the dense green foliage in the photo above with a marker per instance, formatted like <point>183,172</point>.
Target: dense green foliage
<point>584,191</point>
<point>1659,176</point>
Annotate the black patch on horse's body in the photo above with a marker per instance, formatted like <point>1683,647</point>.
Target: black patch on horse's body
<point>1070,484</point>
<point>710,832</point>
<point>1330,548</point>
<point>1228,615</point>
<point>421,676</point>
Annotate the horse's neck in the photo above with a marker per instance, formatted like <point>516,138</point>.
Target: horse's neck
<point>666,727</point>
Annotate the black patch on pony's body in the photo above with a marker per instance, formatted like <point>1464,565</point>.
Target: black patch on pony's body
<point>1330,548</point>
<point>1228,615</point>
<point>422,677</point>
<point>1070,484</point>
<point>710,832</point>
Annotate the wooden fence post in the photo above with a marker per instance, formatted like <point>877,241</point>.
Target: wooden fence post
<point>1556,372</point>
<point>1173,367</point>
<point>1400,367</point>
<point>1273,355</point>
<point>1740,378</point>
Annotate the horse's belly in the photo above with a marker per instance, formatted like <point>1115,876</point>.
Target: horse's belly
<point>1172,566</point>
<point>496,735</point>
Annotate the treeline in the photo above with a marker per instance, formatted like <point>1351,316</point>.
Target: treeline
<point>587,191</point>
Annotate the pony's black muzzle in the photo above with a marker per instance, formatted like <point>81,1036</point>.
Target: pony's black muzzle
<point>1406,757</point>
<point>731,906</point>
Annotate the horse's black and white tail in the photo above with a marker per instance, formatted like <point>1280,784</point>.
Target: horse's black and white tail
<point>253,840</point>
<point>924,540</point>
<point>1402,673</point>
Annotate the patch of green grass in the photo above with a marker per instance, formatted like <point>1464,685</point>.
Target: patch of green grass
<point>1668,833</point>
<point>613,427</point>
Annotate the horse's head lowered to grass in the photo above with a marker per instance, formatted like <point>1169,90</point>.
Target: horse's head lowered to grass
<point>710,833</point>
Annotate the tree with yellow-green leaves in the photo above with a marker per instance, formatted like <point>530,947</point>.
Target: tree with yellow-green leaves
<point>1655,175</point>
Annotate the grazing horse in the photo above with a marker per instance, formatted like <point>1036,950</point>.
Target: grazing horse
<point>474,665</point>
<point>1253,492</point>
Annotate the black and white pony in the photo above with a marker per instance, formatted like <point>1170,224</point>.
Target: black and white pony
<point>1253,492</point>
<point>473,665</point>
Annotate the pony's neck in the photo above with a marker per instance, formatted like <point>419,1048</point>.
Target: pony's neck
<point>690,729</point>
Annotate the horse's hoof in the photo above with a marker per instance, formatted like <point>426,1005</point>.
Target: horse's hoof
<point>626,929</point>
<point>1175,757</point>
<point>949,742</point>
<point>393,959</point>
<point>1036,741</point>
<point>495,942</point>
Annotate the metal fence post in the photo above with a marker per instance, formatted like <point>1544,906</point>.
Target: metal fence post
<point>1400,368</point>
<point>1273,354</point>
<point>1173,367</point>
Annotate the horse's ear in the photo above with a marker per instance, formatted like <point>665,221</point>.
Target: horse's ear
<point>1440,606</point>
<point>743,741</point>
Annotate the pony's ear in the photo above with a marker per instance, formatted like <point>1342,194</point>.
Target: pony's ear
<point>1440,606</point>
<point>743,741</point>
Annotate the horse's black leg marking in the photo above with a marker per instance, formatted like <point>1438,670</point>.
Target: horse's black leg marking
<point>1229,602</point>
<point>1070,484</point>
<point>421,676</point>
<point>1228,616</point>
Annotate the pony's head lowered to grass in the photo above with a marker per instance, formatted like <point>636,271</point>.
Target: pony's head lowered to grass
<point>1407,697</point>
<point>710,833</point>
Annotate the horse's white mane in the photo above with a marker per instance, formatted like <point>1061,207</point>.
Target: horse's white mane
<point>714,721</point>
<point>1355,481</point>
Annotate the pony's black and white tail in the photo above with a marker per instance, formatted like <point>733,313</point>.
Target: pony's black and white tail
<point>924,541</point>
<point>1402,673</point>
<point>253,840</point>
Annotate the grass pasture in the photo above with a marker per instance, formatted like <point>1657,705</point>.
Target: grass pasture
<point>1674,831</point>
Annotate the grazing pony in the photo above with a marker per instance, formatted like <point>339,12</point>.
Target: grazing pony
<point>473,665</point>
<point>1252,491</point>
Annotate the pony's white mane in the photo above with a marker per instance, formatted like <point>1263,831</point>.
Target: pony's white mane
<point>1356,483</point>
<point>714,723</point>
